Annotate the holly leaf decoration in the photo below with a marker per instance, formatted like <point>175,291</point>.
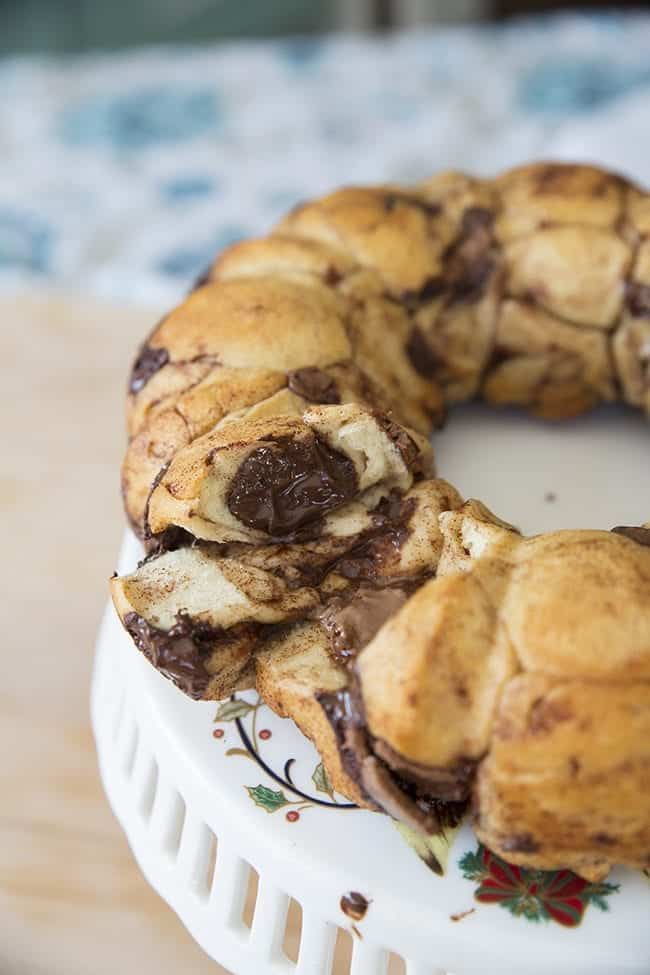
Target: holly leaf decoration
<point>232,709</point>
<point>596,893</point>
<point>267,798</point>
<point>432,850</point>
<point>321,780</point>
<point>472,865</point>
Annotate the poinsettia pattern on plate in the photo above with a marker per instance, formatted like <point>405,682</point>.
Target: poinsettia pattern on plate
<point>536,895</point>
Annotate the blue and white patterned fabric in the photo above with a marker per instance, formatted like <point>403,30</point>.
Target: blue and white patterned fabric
<point>122,174</point>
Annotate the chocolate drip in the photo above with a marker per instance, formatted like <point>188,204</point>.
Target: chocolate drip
<point>431,289</point>
<point>344,712</point>
<point>169,540</point>
<point>286,487</point>
<point>149,361</point>
<point>203,279</point>
<point>470,286</point>
<point>381,545</point>
<point>476,220</point>
<point>470,262</point>
<point>405,444</point>
<point>394,198</point>
<point>178,653</point>
<point>146,530</point>
<point>421,355</point>
<point>352,621</point>
<point>451,784</point>
<point>637,534</point>
<point>637,298</point>
<point>314,385</point>
<point>412,802</point>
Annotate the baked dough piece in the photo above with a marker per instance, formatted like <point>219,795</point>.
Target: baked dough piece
<point>201,612</point>
<point>292,672</point>
<point>567,778</point>
<point>272,342</point>
<point>515,648</point>
<point>285,477</point>
<point>198,618</point>
<point>631,343</point>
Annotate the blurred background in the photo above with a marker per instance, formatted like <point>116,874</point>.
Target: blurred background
<point>73,25</point>
<point>137,138</point>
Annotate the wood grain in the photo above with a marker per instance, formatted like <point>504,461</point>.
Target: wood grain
<point>72,901</point>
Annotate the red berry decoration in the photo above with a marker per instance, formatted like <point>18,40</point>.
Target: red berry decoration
<point>217,733</point>
<point>265,734</point>
<point>293,816</point>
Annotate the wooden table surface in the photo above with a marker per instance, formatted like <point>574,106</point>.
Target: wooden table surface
<point>72,901</point>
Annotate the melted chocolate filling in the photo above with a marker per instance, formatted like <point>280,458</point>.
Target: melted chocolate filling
<point>405,444</point>
<point>469,261</point>
<point>179,653</point>
<point>470,285</point>
<point>147,364</point>
<point>352,621</point>
<point>314,385</point>
<point>475,220</point>
<point>203,279</point>
<point>285,487</point>
<point>333,276</point>
<point>146,530</point>
<point>450,784</point>
<point>637,298</point>
<point>637,534</point>
<point>169,540</point>
<point>415,803</point>
<point>382,543</point>
<point>421,355</point>
<point>431,289</point>
<point>394,198</point>
<point>344,712</point>
<point>469,266</point>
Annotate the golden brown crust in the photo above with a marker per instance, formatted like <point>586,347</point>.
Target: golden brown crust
<point>434,705</point>
<point>532,657</point>
<point>393,231</point>
<point>544,193</point>
<point>547,365</point>
<point>567,780</point>
<point>592,583</point>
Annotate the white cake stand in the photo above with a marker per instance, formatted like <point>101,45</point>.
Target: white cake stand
<point>203,802</point>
